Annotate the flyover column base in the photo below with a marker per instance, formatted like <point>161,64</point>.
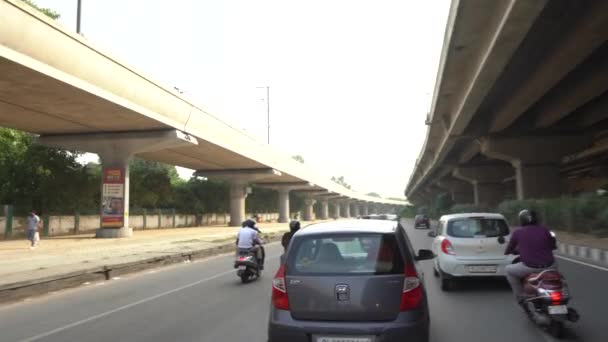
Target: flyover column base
<point>324,210</point>
<point>308,209</point>
<point>238,194</point>
<point>284,204</point>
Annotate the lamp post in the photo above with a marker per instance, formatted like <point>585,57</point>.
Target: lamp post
<point>78,11</point>
<point>267,111</point>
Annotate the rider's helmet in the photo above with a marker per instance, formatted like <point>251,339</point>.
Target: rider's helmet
<point>528,217</point>
<point>294,226</point>
<point>249,223</point>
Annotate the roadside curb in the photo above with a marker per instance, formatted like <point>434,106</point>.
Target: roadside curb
<point>36,287</point>
<point>597,256</point>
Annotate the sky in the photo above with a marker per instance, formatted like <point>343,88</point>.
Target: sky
<point>351,81</point>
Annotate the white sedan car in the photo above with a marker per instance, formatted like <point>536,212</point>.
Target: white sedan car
<point>470,245</point>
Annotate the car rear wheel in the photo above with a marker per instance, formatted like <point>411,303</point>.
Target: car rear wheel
<point>435,272</point>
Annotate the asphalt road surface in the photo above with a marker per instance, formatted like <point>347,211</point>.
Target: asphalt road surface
<point>205,301</point>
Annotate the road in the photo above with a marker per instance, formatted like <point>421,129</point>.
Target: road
<point>205,301</point>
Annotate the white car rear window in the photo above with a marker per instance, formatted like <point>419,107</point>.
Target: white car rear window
<point>477,227</point>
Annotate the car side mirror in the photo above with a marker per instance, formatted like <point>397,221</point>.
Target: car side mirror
<point>431,234</point>
<point>501,240</point>
<point>425,254</point>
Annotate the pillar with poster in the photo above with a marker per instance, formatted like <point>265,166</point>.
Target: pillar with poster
<point>113,197</point>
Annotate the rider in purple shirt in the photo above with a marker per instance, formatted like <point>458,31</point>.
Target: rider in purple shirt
<point>535,246</point>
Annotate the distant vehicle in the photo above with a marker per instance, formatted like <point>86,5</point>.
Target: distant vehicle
<point>356,280</point>
<point>422,220</point>
<point>470,245</point>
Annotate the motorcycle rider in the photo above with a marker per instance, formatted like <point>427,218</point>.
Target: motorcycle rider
<point>294,226</point>
<point>534,244</point>
<point>248,240</point>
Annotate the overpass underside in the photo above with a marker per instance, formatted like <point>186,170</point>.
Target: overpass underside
<point>520,108</point>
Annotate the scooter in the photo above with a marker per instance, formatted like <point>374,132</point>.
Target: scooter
<point>247,266</point>
<point>546,297</point>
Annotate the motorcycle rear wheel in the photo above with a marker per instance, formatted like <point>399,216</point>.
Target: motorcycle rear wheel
<point>556,329</point>
<point>245,277</point>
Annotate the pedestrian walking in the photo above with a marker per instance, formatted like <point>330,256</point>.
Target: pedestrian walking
<point>33,223</point>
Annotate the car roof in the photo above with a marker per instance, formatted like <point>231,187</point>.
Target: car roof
<point>467,215</point>
<point>350,226</point>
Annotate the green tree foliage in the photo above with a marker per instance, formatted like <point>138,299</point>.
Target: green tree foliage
<point>46,179</point>
<point>151,184</point>
<point>340,180</point>
<point>47,11</point>
<point>299,158</point>
<point>262,200</point>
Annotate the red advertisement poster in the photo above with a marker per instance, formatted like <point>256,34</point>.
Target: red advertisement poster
<point>113,195</point>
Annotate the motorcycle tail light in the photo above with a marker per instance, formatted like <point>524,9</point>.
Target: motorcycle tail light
<point>556,297</point>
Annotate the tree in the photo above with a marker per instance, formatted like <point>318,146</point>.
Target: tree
<point>46,179</point>
<point>299,158</point>
<point>151,184</point>
<point>47,11</point>
<point>340,180</point>
<point>373,194</point>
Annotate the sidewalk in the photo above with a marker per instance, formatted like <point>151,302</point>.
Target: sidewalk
<point>67,254</point>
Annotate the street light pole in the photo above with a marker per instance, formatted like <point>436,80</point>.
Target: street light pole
<point>78,10</point>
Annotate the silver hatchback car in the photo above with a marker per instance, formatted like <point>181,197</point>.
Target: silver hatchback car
<point>355,281</point>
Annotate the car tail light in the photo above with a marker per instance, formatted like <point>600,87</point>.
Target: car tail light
<point>446,247</point>
<point>556,298</point>
<point>279,290</point>
<point>412,291</point>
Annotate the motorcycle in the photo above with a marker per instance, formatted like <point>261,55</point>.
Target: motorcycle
<point>247,266</point>
<point>546,297</point>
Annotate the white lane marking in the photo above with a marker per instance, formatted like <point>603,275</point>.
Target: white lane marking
<point>124,307</point>
<point>583,263</point>
<point>116,278</point>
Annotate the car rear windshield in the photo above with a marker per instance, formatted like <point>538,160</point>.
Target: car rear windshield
<point>477,227</point>
<point>346,254</point>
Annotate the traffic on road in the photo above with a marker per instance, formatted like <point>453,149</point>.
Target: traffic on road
<point>204,301</point>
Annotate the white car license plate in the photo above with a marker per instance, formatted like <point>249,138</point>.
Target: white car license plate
<point>242,267</point>
<point>343,339</point>
<point>558,309</point>
<point>482,268</point>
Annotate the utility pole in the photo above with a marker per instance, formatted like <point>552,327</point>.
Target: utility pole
<point>78,11</point>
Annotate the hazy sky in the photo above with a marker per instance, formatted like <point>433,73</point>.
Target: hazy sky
<point>350,81</point>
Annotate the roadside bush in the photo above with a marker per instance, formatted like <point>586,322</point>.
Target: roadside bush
<point>587,213</point>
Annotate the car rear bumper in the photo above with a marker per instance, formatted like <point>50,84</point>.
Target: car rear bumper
<point>414,327</point>
<point>452,266</point>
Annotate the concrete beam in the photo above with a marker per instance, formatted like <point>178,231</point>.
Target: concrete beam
<point>575,47</point>
<point>251,175</point>
<point>536,161</point>
<point>483,174</point>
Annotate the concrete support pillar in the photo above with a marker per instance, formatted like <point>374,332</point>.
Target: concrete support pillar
<point>488,193</point>
<point>336,211</point>
<point>487,182</point>
<point>460,191</point>
<point>535,159</point>
<point>308,209</point>
<point>364,208</point>
<point>536,181</point>
<point>284,204</point>
<point>345,209</point>
<point>115,151</point>
<point>324,210</point>
<point>238,194</point>
<point>355,209</point>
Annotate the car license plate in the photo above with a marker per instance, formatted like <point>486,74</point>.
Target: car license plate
<point>242,267</point>
<point>482,269</point>
<point>558,309</point>
<point>344,339</point>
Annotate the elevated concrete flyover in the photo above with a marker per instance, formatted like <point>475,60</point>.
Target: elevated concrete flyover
<point>520,107</point>
<point>56,84</point>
